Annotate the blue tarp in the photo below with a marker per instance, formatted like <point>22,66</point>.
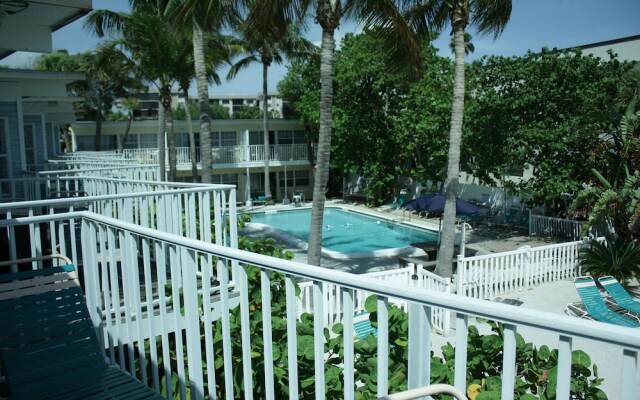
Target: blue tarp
<point>435,205</point>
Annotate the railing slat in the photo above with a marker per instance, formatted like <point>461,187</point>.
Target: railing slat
<point>460,367</point>
<point>347,323</point>
<point>265,288</point>
<point>292,337</point>
<point>383,347</point>
<point>318,339</point>
<point>192,317</point>
<point>508,362</point>
<point>223,278</point>
<point>563,379</point>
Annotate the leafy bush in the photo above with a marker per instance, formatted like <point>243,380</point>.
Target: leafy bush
<point>616,257</point>
<point>536,368</point>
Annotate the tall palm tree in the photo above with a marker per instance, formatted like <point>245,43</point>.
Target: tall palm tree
<point>129,104</point>
<point>488,16</point>
<point>267,45</point>
<point>108,76</point>
<point>398,22</point>
<point>219,51</point>
<point>148,38</point>
<point>205,17</point>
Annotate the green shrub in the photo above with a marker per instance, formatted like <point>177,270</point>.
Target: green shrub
<point>616,257</point>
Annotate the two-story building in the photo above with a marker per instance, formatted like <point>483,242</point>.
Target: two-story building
<point>33,104</point>
<point>238,152</point>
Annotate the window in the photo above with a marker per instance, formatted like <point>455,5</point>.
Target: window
<point>285,137</point>
<point>256,184</point>
<point>256,137</point>
<point>302,178</point>
<point>149,141</point>
<point>226,179</point>
<point>295,178</point>
<point>299,137</point>
<point>30,144</point>
<point>228,139</point>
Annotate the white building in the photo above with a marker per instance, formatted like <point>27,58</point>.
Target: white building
<point>627,48</point>
<point>150,102</point>
<point>238,150</point>
<point>33,104</point>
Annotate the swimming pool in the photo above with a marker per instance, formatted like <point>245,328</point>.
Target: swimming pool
<point>347,231</point>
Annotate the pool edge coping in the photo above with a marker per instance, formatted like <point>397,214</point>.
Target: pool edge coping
<point>336,255</point>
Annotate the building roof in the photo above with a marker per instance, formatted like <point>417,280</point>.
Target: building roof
<point>608,42</point>
<point>30,28</point>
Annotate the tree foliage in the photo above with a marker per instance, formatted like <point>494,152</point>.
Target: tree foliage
<point>547,111</point>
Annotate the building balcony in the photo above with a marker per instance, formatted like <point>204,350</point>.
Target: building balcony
<point>230,156</point>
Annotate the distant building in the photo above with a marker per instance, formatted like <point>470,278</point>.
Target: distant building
<point>236,102</point>
<point>238,151</point>
<point>627,48</point>
<point>149,103</point>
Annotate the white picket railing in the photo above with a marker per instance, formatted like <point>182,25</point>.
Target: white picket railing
<point>225,154</point>
<point>413,276</point>
<point>157,299</point>
<point>491,275</point>
<point>567,229</point>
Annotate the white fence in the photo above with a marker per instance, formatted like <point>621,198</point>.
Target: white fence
<point>540,225</point>
<point>491,275</point>
<point>416,277</point>
<point>226,154</point>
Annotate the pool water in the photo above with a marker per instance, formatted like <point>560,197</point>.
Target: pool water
<point>346,231</point>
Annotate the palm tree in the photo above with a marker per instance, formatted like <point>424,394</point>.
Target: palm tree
<point>129,104</point>
<point>108,76</point>
<point>271,44</point>
<point>219,51</point>
<point>152,45</point>
<point>488,16</point>
<point>210,16</point>
<point>402,25</point>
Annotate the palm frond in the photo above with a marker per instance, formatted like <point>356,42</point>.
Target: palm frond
<point>240,65</point>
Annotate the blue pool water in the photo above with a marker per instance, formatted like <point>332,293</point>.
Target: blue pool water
<point>345,231</point>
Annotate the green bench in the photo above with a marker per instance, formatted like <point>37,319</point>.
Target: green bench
<point>48,344</point>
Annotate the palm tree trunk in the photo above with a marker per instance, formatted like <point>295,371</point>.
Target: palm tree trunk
<point>324,147</point>
<point>203,101</point>
<point>192,136</point>
<point>126,132</point>
<point>447,236</point>
<point>161,146</point>
<point>171,142</point>
<point>265,128</point>
<point>98,142</point>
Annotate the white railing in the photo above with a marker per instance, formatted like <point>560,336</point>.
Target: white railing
<point>491,275</point>
<point>567,229</point>
<point>156,303</point>
<point>183,211</point>
<point>225,154</point>
<point>415,276</point>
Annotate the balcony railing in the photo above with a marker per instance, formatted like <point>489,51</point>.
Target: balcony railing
<point>157,298</point>
<point>243,154</point>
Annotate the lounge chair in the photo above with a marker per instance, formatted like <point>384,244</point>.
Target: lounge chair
<point>48,344</point>
<point>595,305</point>
<point>619,294</point>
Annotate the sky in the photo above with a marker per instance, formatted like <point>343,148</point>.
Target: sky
<point>534,24</point>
